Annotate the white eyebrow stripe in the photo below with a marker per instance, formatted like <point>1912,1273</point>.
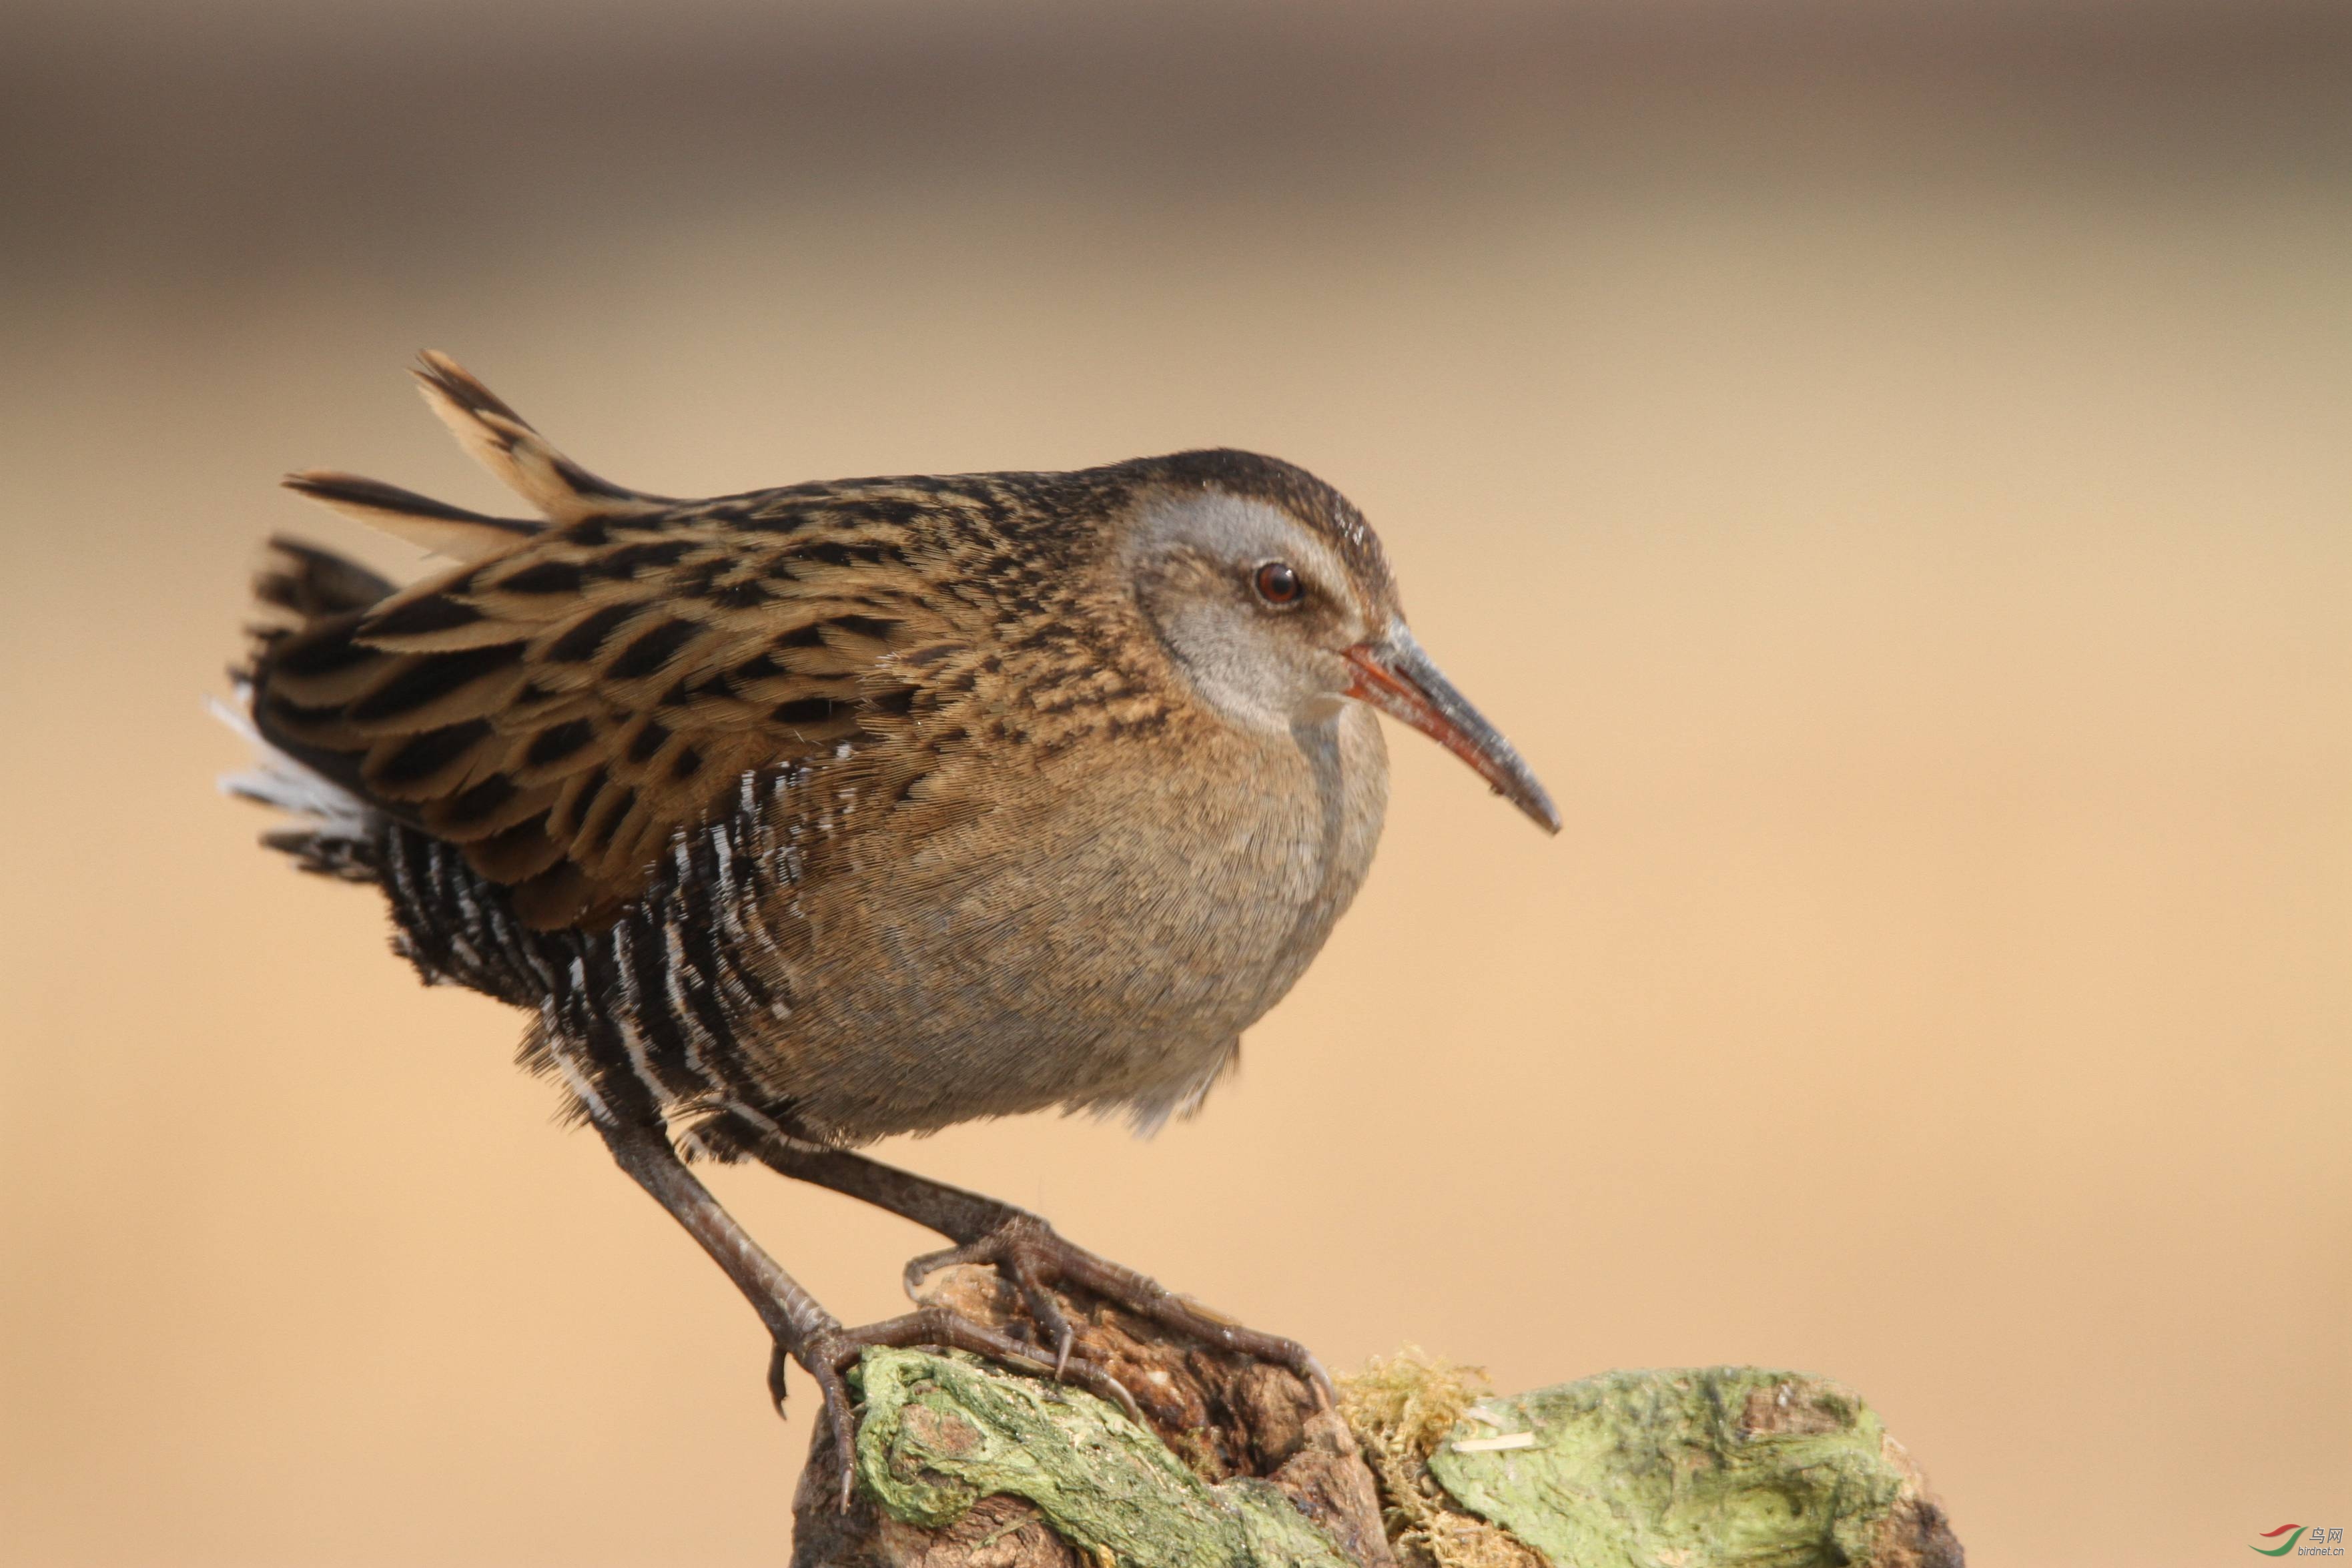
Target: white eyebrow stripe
<point>1252,532</point>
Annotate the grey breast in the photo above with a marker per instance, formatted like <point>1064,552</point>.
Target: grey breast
<point>1148,916</point>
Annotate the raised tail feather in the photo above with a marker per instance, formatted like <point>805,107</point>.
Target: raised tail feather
<point>438,526</point>
<point>503,442</point>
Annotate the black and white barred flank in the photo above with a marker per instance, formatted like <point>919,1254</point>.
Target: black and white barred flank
<point>650,999</point>
<point>637,1018</point>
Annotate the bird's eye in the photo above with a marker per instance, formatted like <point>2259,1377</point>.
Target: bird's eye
<point>1278,582</point>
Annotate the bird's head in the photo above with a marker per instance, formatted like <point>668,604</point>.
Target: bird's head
<point>1271,592</point>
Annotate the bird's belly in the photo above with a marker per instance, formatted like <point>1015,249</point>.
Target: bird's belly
<point>1112,962</point>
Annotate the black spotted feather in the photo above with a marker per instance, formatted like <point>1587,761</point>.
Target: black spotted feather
<point>562,707</point>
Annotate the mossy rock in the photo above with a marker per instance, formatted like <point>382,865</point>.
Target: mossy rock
<point>1717,1467</point>
<point>1695,1468</point>
<point>937,1433</point>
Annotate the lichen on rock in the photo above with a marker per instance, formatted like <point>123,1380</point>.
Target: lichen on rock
<point>941,1433</point>
<point>962,1464</point>
<point>1696,1467</point>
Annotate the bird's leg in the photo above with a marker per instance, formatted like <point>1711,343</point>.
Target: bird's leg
<point>795,1319</point>
<point>1027,1251</point>
<point>802,1329</point>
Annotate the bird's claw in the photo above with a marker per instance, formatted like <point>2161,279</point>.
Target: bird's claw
<point>1033,1257</point>
<point>825,1356</point>
<point>1012,1250</point>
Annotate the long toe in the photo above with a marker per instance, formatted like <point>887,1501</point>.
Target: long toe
<point>940,1328</point>
<point>824,1362</point>
<point>1026,1268</point>
<point>1033,1257</point>
<point>777,1359</point>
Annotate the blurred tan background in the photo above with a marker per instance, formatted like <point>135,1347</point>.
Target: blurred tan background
<point>1887,466</point>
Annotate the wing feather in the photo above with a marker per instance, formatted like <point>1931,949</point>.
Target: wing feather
<point>562,708</point>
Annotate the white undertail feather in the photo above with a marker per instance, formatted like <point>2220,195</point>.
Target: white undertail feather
<point>278,780</point>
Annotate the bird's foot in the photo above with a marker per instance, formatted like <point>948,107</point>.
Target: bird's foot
<point>1033,1257</point>
<point>828,1353</point>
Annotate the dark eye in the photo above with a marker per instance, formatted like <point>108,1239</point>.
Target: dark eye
<point>1277,583</point>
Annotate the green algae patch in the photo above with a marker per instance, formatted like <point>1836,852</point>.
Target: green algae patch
<point>1696,1467</point>
<point>940,1433</point>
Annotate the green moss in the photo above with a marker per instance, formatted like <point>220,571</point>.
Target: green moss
<point>1712,1468</point>
<point>1716,1467</point>
<point>940,1433</point>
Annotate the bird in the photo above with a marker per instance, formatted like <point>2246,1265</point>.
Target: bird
<point>802,817</point>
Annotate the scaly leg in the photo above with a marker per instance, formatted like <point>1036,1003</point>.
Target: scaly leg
<point>802,1329</point>
<point>1023,1248</point>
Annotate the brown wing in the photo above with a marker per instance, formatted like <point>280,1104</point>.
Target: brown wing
<point>561,709</point>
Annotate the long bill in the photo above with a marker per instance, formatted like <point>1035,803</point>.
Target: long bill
<point>1395,676</point>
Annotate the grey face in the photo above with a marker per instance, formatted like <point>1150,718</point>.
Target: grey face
<point>1275,633</point>
<point>1257,610</point>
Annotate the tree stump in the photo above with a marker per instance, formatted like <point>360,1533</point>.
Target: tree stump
<point>964,1465</point>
